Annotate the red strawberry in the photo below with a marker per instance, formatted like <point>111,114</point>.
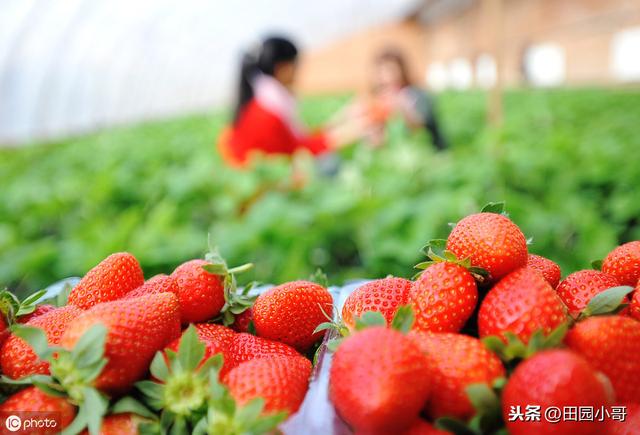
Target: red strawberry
<point>4,331</point>
<point>443,298</point>
<point>423,427</point>
<point>378,380</point>
<point>18,359</point>
<point>552,378</point>
<point>39,311</point>
<point>111,279</point>
<point>382,295</point>
<point>282,382</point>
<point>522,303</point>
<point>33,400</point>
<point>201,293</point>
<point>624,263</point>
<point>158,284</point>
<point>136,330</point>
<point>634,308</point>
<point>245,347</point>
<point>290,312</point>
<point>491,241</point>
<point>631,423</point>
<point>577,289</point>
<point>548,269</point>
<point>455,362</point>
<point>242,321</point>
<point>216,338</point>
<point>120,424</point>
<point>611,344</point>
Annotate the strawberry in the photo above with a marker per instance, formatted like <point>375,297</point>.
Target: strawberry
<point>39,311</point>
<point>201,293</point>
<point>136,329</point>
<point>4,331</point>
<point>290,312</point>
<point>521,303</point>
<point>634,308</point>
<point>549,269</point>
<point>455,362</point>
<point>631,423</point>
<point>245,347</point>
<point>492,241</point>
<point>423,427</point>
<point>120,424</point>
<point>32,399</point>
<point>216,339</point>
<point>624,263</point>
<point>382,295</point>
<point>378,380</point>
<point>443,298</point>
<point>281,380</point>
<point>111,279</point>
<point>158,284</point>
<point>577,289</point>
<point>242,321</point>
<point>611,344</point>
<point>552,378</point>
<point>18,360</point>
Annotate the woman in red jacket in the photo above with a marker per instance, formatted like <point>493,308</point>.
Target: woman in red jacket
<point>266,119</point>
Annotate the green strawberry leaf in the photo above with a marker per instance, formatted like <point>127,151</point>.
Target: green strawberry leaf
<point>216,269</point>
<point>49,388</point>
<point>9,306</point>
<point>555,337</point>
<point>251,410</point>
<point>324,326</point>
<point>596,264</point>
<point>369,319</point>
<point>606,302</point>
<point>423,265</point>
<point>153,393</point>
<point>191,349</point>
<point>130,405</point>
<point>436,246</point>
<point>482,397</point>
<point>499,383</point>
<point>97,405</point>
<point>158,367</point>
<point>89,350</point>
<point>403,319</point>
<point>251,329</point>
<point>494,207</point>
<point>454,426</point>
<point>28,305</point>
<point>333,344</point>
<point>319,277</point>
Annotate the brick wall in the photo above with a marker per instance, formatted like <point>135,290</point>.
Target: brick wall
<point>582,29</point>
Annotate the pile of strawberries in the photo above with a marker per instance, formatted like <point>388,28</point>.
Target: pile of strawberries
<point>486,339</point>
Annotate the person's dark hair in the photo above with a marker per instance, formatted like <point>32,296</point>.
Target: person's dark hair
<point>394,55</point>
<point>263,59</point>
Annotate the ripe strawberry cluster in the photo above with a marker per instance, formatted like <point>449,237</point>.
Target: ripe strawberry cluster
<point>495,332</point>
<point>126,356</point>
<point>484,331</point>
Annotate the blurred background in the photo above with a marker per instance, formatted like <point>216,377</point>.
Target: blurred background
<point>110,113</point>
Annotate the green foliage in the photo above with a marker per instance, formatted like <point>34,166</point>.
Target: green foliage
<point>563,162</point>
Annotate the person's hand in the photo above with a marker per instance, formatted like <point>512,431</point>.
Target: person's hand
<point>348,132</point>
